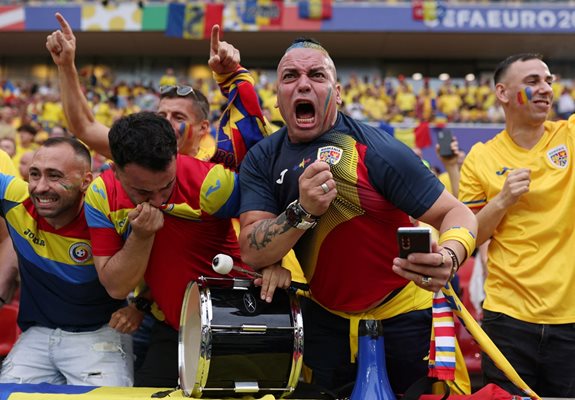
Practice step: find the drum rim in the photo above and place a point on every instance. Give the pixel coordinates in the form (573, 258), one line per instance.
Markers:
(194, 377)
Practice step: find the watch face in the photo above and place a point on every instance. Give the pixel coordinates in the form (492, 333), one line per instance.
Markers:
(292, 214)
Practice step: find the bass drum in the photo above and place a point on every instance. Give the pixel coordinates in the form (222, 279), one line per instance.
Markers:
(231, 342)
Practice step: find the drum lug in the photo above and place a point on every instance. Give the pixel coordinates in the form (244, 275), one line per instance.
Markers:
(246, 387)
(254, 328)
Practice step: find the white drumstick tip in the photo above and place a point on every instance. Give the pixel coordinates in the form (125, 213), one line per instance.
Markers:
(222, 264)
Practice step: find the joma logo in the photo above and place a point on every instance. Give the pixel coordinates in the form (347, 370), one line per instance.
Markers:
(32, 236)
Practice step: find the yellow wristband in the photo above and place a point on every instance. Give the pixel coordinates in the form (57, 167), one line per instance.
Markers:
(461, 235)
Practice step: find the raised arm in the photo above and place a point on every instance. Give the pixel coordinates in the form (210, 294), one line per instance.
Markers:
(237, 84)
(81, 122)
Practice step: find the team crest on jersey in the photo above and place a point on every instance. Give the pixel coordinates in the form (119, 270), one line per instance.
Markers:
(559, 156)
(329, 154)
(80, 252)
(167, 207)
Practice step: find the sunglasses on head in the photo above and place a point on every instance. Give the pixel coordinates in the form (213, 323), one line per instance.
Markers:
(181, 90)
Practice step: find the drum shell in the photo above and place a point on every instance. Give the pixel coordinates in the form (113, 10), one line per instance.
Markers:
(242, 344)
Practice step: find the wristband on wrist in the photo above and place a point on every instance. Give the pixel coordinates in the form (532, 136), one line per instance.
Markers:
(454, 262)
(461, 235)
(142, 304)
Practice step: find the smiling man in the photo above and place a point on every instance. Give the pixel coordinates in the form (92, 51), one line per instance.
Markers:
(62, 301)
(336, 190)
(521, 185)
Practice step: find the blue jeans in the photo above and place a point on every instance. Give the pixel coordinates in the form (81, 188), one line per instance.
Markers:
(543, 355)
(97, 358)
(327, 353)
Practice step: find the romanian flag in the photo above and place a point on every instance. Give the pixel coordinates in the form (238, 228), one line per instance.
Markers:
(194, 20)
(427, 10)
(417, 10)
(315, 9)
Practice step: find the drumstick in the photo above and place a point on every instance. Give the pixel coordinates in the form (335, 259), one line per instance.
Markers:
(224, 264)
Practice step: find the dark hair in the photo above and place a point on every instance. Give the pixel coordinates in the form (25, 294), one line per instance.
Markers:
(143, 138)
(79, 148)
(504, 65)
(28, 128)
(199, 101)
(302, 39)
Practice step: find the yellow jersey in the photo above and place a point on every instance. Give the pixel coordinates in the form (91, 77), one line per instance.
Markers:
(6, 165)
(531, 268)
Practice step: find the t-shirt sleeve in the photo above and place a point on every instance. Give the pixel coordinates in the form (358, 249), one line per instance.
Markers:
(105, 239)
(403, 178)
(220, 192)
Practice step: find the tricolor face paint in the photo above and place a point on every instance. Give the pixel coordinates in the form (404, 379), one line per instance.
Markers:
(524, 96)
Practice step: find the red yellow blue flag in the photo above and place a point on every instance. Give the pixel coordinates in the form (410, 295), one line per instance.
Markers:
(315, 9)
(193, 20)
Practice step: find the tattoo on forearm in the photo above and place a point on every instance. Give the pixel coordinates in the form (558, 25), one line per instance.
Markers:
(266, 230)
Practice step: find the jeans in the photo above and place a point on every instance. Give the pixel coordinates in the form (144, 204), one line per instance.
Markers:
(543, 355)
(327, 353)
(97, 358)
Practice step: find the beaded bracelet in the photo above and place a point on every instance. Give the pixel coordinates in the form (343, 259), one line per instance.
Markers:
(454, 262)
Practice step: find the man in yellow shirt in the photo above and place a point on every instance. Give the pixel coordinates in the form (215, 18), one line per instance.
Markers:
(521, 185)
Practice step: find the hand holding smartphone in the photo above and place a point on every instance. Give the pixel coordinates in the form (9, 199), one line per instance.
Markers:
(413, 240)
(444, 138)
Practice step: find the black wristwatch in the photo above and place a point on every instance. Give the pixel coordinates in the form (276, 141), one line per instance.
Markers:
(142, 304)
(298, 217)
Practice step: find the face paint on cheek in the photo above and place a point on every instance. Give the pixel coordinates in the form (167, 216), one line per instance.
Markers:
(67, 187)
(326, 105)
(524, 96)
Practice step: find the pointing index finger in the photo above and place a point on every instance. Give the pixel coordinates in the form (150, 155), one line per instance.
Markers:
(66, 30)
(215, 40)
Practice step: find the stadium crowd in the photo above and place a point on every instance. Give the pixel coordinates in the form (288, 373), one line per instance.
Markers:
(31, 111)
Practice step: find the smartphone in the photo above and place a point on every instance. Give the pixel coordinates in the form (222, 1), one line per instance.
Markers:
(413, 240)
(444, 138)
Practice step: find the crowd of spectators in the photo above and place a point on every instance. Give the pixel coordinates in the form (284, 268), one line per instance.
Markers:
(36, 106)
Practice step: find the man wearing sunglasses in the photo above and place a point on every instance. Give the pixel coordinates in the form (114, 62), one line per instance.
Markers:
(185, 108)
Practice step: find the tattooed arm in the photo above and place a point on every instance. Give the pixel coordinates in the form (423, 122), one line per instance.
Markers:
(265, 238)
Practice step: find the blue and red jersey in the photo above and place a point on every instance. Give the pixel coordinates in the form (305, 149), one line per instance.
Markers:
(59, 282)
(347, 257)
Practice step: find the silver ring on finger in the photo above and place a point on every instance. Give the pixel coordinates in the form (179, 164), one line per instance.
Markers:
(426, 280)
(324, 187)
